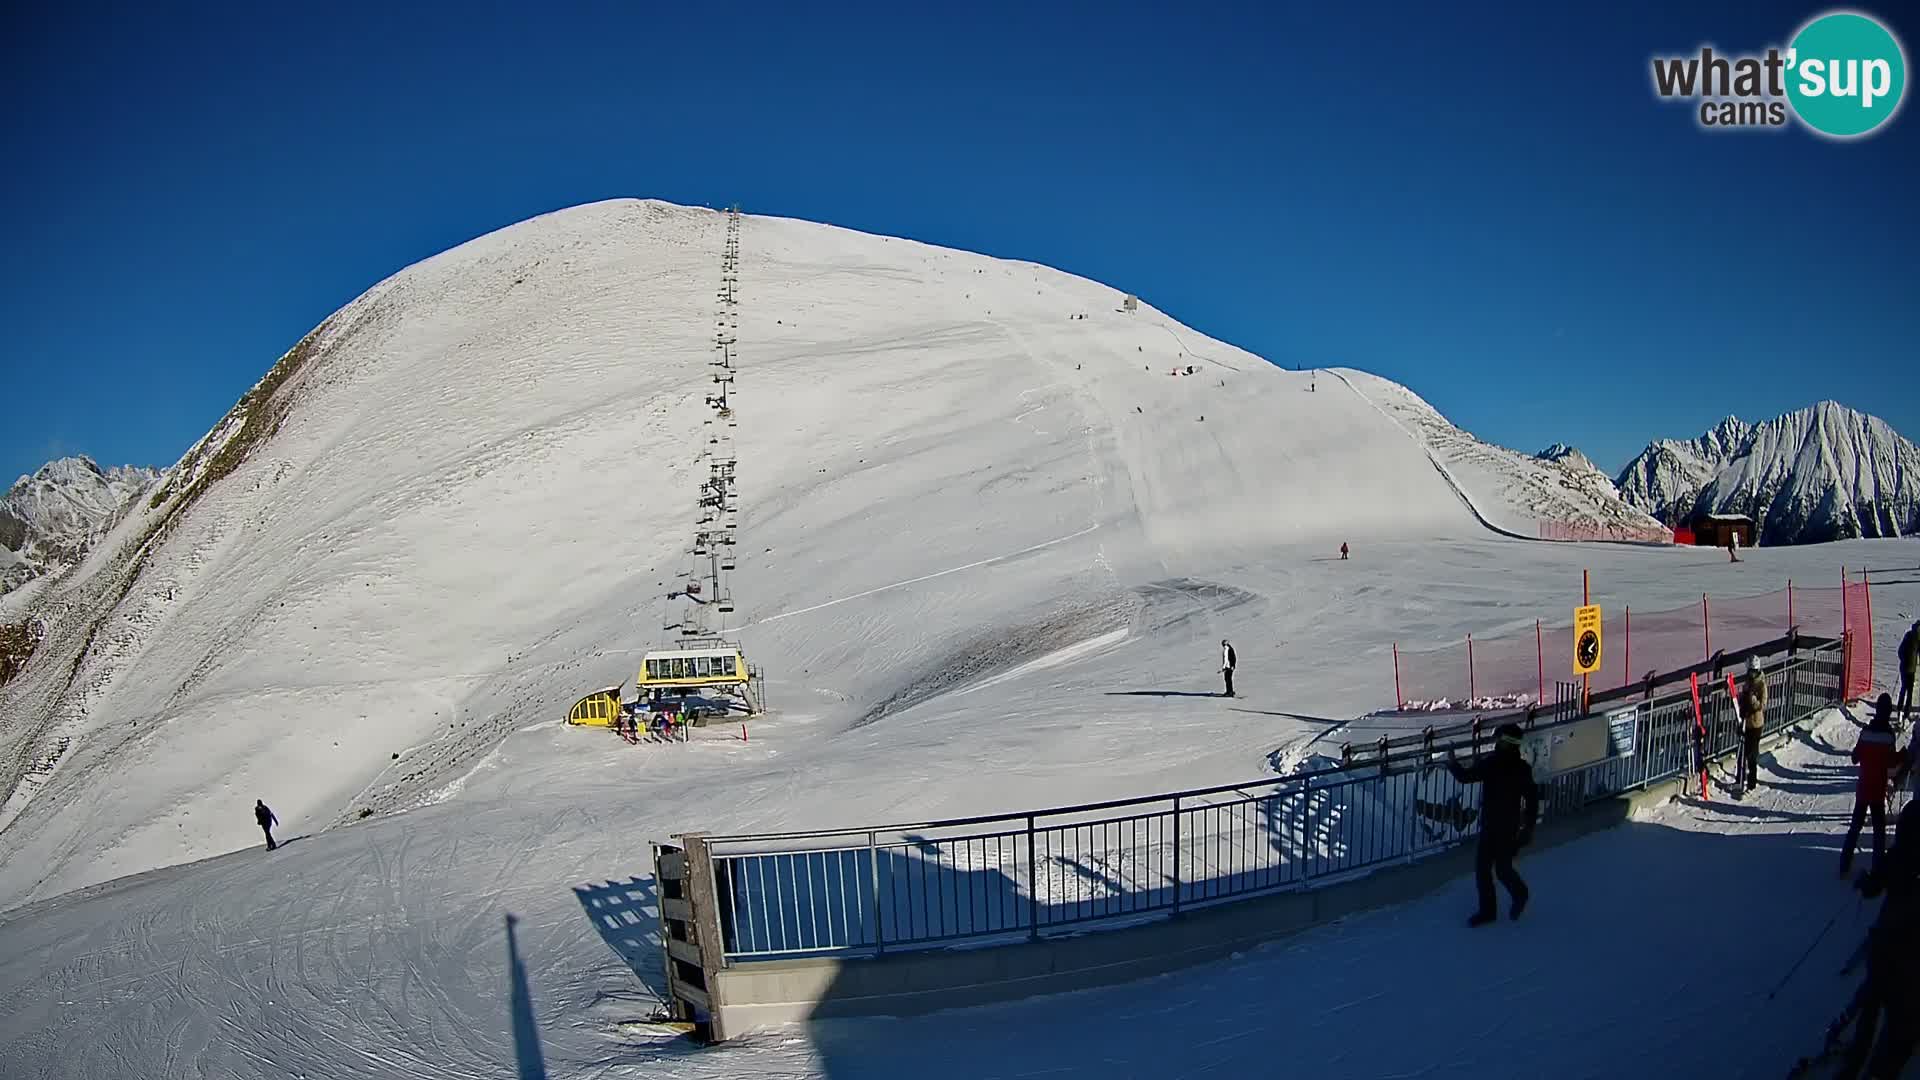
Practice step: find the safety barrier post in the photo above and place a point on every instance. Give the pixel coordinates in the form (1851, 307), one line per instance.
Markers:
(1399, 698)
(1866, 591)
(1626, 663)
(1033, 877)
(1176, 854)
(1789, 605)
(873, 868)
(1706, 624)
(1540, 663)
(1472, 689)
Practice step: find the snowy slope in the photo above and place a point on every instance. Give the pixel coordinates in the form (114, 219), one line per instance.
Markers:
(1818, 474)
(1508, 490)
(50, 519)
(381, 952)
(457, 504)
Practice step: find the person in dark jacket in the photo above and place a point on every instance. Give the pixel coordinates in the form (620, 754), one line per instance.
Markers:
(267, 821)
(1226, 664)
(1874, 753)
(1509, 806)
(1909, 662)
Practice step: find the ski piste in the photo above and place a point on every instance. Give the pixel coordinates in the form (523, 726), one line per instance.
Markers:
(1699, 736)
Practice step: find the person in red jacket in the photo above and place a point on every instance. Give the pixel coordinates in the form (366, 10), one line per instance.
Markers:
(1874, 753)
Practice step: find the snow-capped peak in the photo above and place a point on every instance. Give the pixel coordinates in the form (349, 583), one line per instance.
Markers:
(1825, 472)
(1562, 454)
(49, 519)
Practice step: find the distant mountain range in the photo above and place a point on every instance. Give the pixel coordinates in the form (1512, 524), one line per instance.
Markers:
(1817, 474)
(49, 520)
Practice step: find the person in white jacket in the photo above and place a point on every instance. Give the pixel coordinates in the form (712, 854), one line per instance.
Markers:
(1226, 664)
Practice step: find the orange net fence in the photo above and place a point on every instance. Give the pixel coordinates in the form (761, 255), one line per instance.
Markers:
(1513, 670)
(1604, 531)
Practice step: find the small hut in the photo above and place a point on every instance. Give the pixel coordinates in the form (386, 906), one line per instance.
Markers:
(1716, 530)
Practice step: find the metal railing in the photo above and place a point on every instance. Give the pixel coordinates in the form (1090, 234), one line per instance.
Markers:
(1013, 877)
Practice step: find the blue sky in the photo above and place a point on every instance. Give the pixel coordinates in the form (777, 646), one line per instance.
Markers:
(1488, 205)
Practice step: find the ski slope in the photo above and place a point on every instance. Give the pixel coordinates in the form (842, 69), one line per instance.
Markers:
(988, 552)
(381, 951)
(476, 485)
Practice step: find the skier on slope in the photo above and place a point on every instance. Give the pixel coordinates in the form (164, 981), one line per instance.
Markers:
(267, 821)
(1343, 549)
(1226, 664)
(1509, 806)
(1909, 661)
(1753, 716)
(1874, 753)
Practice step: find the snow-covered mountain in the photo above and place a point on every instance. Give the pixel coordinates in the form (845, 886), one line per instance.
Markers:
(1664, 478)
(460, 501)
(1818, 474)
(980, 500)
(1511, 492)
(50, 519)
(1567, 456)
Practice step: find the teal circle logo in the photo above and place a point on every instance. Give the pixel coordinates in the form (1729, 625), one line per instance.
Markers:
(1846, 74)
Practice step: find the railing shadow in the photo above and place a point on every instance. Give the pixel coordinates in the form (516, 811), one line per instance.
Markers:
(627, 916)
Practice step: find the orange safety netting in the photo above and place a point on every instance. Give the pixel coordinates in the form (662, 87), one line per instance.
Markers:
(1517, 669)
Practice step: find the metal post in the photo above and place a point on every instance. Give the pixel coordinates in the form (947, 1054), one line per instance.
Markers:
(1706, 624)
(1866, 591)
(1626, 663)
(873, 872)
(1472, 689)
(1033, 887)
(1789, 605)
(1399, 698)
(1540, 663)
(1176, 854)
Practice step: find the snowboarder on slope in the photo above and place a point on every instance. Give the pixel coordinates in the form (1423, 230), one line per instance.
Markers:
(1509, 806)
(1874, 753)
(1343, 549)
(1226, 664)
(1733, 541)
(1753, 714)
(1909, 661)
(267, 821)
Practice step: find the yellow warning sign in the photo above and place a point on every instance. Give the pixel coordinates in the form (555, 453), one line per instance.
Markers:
(1586, 639)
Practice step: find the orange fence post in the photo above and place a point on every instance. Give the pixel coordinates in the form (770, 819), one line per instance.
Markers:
(1866, 591)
